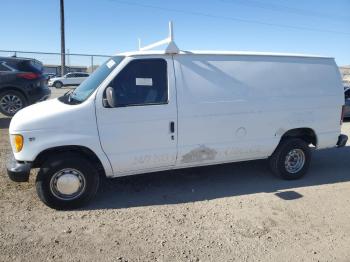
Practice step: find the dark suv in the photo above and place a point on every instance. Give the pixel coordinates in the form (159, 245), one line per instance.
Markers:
(22, 83)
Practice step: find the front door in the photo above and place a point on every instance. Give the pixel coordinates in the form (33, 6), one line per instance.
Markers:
(69, 79)
(75, 80)
(139, 133)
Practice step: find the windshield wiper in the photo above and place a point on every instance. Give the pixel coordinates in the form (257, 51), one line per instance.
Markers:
(67, 97)
(71, 99)
(69, 92)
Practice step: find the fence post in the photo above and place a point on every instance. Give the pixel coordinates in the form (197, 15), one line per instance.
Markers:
(63, 48)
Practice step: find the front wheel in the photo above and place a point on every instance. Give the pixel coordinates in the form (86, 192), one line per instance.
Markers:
(58, 84)
(11, 102)
(67, 181)
(291, 159)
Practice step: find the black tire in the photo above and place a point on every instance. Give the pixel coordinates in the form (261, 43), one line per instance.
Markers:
(279, 158)
(58, 84)
(55, 165)
(10, 111)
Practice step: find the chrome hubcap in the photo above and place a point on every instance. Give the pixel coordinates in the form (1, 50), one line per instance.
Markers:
(67, 184)
(295, 161)
(11, 103)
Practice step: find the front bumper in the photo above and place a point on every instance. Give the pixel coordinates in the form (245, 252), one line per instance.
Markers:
(342, 139)
(18, 171)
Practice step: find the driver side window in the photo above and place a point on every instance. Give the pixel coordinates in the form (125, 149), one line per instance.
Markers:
(141, 82)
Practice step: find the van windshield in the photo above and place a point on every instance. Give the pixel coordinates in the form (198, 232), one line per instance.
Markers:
(89, 85)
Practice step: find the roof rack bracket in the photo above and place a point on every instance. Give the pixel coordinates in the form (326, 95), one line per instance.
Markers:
(171, 47)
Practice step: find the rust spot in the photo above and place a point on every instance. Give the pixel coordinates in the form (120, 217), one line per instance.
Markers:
(202, 153)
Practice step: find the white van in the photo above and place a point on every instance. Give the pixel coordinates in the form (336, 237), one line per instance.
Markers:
(148, 111)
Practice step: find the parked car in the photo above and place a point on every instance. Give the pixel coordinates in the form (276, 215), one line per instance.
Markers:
(347, 102)
(49, 75)
(21, 84)
(70, 79)
(148, 111)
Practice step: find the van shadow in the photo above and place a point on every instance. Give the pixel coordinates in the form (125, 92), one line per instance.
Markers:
(206, 183)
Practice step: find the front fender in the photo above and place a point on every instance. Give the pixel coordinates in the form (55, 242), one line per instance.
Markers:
(38, 141)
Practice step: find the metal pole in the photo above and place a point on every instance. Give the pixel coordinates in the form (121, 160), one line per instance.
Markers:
(92, 64)
(63, 48)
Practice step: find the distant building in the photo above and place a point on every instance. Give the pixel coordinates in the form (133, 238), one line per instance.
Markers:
(345, 70)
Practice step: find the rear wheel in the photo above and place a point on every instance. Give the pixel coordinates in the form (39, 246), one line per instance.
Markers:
(58, 84)
(291, 159)
(67, 181)
(11, 102)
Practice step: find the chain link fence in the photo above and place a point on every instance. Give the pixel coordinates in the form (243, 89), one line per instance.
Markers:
(52, 61)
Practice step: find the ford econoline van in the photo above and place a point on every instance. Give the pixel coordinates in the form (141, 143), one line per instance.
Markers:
(148, 111)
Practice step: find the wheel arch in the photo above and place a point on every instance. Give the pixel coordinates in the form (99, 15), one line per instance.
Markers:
(84, 151)
(14, 88)
(57, 81)
(305, 133)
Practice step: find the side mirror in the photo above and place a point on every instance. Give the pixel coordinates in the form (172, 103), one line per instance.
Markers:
(110, 97)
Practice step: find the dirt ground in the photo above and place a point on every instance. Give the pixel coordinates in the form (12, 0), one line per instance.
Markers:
(233, 212)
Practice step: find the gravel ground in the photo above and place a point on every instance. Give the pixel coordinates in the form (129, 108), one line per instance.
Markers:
(233, 212)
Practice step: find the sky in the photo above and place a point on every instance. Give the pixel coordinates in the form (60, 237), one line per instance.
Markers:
(320, 27)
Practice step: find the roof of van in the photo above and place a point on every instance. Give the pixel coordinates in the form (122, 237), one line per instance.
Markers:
(245, 53)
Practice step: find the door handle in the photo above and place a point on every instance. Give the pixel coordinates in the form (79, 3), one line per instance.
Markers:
(172, 127)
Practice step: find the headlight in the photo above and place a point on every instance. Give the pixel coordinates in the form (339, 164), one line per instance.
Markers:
(17, 142)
